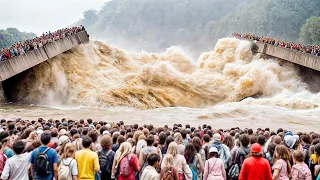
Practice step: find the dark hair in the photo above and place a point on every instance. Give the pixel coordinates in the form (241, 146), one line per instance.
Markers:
(120, 139)
(54, 133)
(11, 126)
(153, 158)
(261, 140)
(45, 137)
(86, 141)
(183, 133)
(85, 131)
(244, 139)
(89, 121)
(93, 134)
(253, 139)
(206, 138)
(271, 148)
(210, 133)
(73, 132)
(189, 153)
(18, 146)
(250, 131)
(150, 140)
(162, 138)
(214, 154)
(305, 138)
(169, 139)
(197, 144)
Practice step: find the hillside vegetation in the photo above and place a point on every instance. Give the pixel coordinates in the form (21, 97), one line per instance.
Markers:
(11, 36)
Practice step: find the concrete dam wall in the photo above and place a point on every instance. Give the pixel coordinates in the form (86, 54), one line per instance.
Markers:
(23, 62)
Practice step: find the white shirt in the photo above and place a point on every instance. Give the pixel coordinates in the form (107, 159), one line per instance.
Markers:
(17, 167)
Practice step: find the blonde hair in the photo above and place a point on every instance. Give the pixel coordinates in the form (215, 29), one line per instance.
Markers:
(69, 150)
(124, 149)
(168, 161)
(136, 135)
(178, 138)
(173, 149)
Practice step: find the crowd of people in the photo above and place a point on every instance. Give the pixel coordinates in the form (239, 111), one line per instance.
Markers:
(310, 49)
(23, 47)
(87, 150)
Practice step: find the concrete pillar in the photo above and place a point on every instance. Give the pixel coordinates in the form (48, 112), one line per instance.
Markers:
(2, 98)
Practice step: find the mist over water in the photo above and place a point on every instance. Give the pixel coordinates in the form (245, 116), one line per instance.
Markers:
(99, 75)
(228, 83)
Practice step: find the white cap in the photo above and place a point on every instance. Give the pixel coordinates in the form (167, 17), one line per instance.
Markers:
(39, 131)
(105, 132)
(213, 149)
(63, 139)
(108, 126)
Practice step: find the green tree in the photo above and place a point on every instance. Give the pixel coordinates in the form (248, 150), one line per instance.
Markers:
(310, 31)
(11, 36)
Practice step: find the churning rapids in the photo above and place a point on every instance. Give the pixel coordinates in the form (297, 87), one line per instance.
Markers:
(226, 87)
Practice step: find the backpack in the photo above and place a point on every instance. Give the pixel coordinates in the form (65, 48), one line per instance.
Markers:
(64, 171)
(193, 168)
(42, 165)
(169, 175)
(104, 161)
(124, 166)
(3, 159)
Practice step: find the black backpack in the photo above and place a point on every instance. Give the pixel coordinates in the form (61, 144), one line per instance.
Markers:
(105, 160)
(42, 166)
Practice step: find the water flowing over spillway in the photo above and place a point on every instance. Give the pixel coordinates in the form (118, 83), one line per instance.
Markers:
(229, 77)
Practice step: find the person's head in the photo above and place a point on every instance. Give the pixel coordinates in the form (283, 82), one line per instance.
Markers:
(121, 139)
(256, 150)
(124, 149)
(168, 161)
(216, 137)
(261, 140)
(281, 152)
(153, 159)
(150, 140)
(106, 142)
(213, 151)
(94, 135)
(178, 138)
(18, 146)
(298, 156)
(189, 153)
(228, 141)
(162, 138)
(317, 149)
(45, 137)
(89, 121)
(271, 148)
(197, 143)
(244, 140)
(305, 139)
(173, 149)
(277, 140)
(86, 141)
(69, 150)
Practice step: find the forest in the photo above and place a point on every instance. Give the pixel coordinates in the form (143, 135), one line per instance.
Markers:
(11, 36)
(155, 25)
(197, 25)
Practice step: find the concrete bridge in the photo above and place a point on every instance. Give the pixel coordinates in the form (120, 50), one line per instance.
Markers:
(294, 56)
(16, 65)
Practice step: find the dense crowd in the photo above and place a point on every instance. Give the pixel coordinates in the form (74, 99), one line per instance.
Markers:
(310, 49)
(23, 47)
(88, 150)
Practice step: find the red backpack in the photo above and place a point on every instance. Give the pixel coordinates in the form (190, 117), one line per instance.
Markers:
(125, 169)
(3, 159)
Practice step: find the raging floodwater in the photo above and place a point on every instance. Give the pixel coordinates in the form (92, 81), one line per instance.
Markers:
(226, 87)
